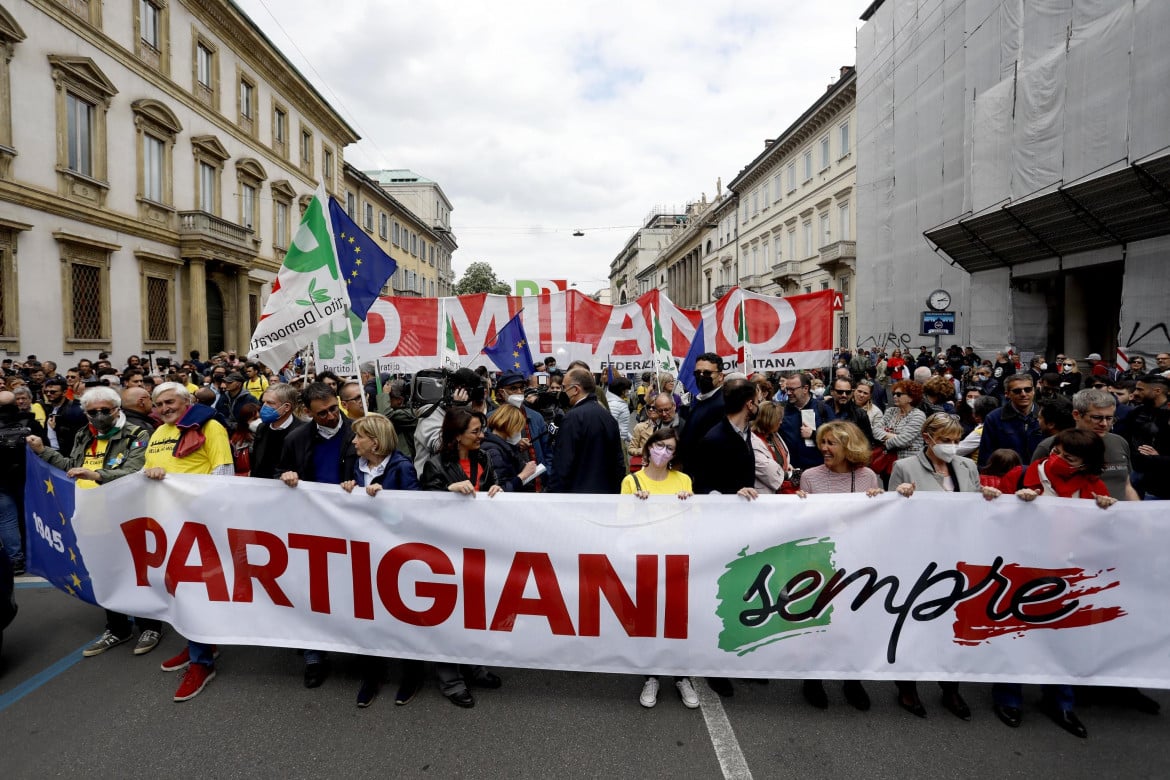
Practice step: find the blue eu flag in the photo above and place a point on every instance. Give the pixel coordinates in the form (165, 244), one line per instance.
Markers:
(364, 266)
(510, 351)
(48, 519)
(686, 372)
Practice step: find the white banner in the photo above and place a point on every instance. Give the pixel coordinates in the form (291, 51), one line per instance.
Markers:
(933, 587)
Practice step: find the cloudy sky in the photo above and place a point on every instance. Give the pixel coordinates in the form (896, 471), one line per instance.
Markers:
(538, 119)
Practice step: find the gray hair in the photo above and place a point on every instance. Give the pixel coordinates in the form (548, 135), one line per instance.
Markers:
(1092, 398)
(179, 390)
(101, 393)
(20, 390)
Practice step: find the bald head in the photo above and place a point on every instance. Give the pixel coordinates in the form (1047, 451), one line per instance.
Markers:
(7, 398)
(138, 399)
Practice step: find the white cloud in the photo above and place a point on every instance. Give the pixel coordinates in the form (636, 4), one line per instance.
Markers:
(541, 118)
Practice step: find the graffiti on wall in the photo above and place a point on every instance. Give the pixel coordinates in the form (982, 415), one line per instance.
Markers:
(885, 342)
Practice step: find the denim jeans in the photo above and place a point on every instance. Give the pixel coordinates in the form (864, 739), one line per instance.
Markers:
(1012, 695)
(201, 653)
(10, 529)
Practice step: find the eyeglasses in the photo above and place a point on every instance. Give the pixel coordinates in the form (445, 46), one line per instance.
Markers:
(705, 373)
(897, 393)
(1021, 390)
(327, 412)
(98, 412)
(842, 392)
(1067, 363)
(355, 399)
(1101, 418)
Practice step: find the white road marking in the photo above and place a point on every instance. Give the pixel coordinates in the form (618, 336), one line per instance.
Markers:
(731, 759)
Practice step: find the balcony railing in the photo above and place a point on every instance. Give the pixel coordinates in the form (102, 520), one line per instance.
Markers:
(201, 223)
(837, 253)
(785, 270)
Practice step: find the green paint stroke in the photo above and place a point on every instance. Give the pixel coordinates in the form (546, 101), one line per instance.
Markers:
(786, 560)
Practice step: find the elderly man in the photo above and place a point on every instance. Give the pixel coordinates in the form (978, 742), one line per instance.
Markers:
(1013, 426)
(110, 447)
(137, 406)
(189, 441)
(588, 455)
(277, 421)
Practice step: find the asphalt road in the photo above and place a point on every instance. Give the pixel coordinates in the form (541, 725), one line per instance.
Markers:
(112, 716)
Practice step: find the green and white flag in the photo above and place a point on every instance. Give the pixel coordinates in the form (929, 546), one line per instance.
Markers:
(663, 360)
(308, 297)
(450, 349)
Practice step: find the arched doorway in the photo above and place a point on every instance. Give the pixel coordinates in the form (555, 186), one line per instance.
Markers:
(215, 342)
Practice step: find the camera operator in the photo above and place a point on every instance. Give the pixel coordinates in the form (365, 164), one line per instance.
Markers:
(15, 427)
(463, 388)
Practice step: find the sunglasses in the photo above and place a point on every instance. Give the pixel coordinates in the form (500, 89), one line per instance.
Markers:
(1021, 390)
(97, 412)
(705, 373)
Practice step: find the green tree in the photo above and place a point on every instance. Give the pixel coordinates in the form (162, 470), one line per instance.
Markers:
(480, 278)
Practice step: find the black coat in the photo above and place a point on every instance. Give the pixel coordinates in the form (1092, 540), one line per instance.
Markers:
(507, 461)
(704, 416)
(442, 470)
(267, 448)
(723, 461)
(588, 457)
(297, 452)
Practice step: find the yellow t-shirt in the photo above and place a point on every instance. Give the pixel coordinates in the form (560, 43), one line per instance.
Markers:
(93, 462)
(215, 452)
(674, 483)
(256, 386)
(192, 388)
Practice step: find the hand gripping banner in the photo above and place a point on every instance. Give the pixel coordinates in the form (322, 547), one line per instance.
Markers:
(933, 587)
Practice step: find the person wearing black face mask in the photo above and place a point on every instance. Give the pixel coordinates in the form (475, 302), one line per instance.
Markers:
(108, 448)
(707, 408)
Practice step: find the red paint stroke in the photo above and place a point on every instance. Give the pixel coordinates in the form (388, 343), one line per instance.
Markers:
(973, 626)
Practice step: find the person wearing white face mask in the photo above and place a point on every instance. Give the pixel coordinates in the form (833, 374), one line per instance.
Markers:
(937, 468)
(534, 438)
(501, 444)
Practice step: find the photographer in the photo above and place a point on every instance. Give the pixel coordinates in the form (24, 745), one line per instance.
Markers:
(15, 427)
(464, 388)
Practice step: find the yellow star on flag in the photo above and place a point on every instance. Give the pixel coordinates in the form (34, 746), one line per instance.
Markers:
(343, 234)
(49, 486)
(520, 343)
(357, 251)
(354, 274)
(72, 556)
(69, 590)
(515, 354)
(352, 239)
(358, 261)
(76, 580)
(516, 364)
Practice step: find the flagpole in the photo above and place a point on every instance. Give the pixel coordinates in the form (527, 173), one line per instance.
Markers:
(357, 366)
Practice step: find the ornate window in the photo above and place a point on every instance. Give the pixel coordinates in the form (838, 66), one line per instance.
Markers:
(306, 150)
(9, 320)
(205, 71)
(250, 175)
(280, 130)
(282, 197)
(157, 299)
(246, 105)
(156, 128)
(85, 291)
(210, 156)
(83, 98)
(10, 35)
(153, 44)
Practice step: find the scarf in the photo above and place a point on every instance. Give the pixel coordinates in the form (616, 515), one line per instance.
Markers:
(190, 427)
(114, 430)
(1066, 482)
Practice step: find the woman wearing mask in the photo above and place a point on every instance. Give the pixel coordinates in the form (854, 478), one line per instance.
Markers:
(1070, 377)
(846, 452)
(936, 467)
(1072, 470)
(657, 478)
(460, 466)
(380, 466)
(502, 446)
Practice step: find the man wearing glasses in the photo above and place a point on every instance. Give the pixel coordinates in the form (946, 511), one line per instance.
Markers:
(1013, 426)
(277, 421)
(323, 452)
(62, 417)
(707, 408)
(350, 399)
(110, 447)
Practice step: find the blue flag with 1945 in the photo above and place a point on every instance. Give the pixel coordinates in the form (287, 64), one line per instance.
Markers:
(51, 541)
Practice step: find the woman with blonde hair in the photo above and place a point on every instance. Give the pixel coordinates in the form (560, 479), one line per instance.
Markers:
(501, 444)
(846, 452)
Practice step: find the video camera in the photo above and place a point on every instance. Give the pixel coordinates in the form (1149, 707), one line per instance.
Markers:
(433, 387)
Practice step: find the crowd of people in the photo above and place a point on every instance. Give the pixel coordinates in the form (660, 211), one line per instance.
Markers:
(950, 422)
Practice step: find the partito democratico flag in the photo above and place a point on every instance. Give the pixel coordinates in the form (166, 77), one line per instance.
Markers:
(308, 294)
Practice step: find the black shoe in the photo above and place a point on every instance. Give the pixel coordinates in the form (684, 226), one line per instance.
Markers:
(954, 704)
(407, 690)
(1135, 699)
(721, 686)
(315, 674)
(855, 694)
(486, 680)
(912, 704)
(462, 699)
(18, 569)
(1067, 720)
(367, 692)
(814, 694)
(1009, 716)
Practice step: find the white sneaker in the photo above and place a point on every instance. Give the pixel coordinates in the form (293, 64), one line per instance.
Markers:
(686, 690)
(649, 695)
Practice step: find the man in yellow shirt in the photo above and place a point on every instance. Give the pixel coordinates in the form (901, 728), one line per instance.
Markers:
(256, 382)
(108, 448)
(189, 441)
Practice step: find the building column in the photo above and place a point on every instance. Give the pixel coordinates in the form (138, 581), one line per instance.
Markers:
(243, 314)
(197, 307)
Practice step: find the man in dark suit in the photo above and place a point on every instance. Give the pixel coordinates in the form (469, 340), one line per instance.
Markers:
(722, 462)
(277, 421)
(707, 408)
(588, 454)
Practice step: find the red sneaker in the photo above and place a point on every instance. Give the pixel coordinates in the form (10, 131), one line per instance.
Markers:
(194, 681)
(180, 661)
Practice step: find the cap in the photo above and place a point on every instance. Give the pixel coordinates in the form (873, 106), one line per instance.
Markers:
(1093, 356)
(511, 378)
(234, 376)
